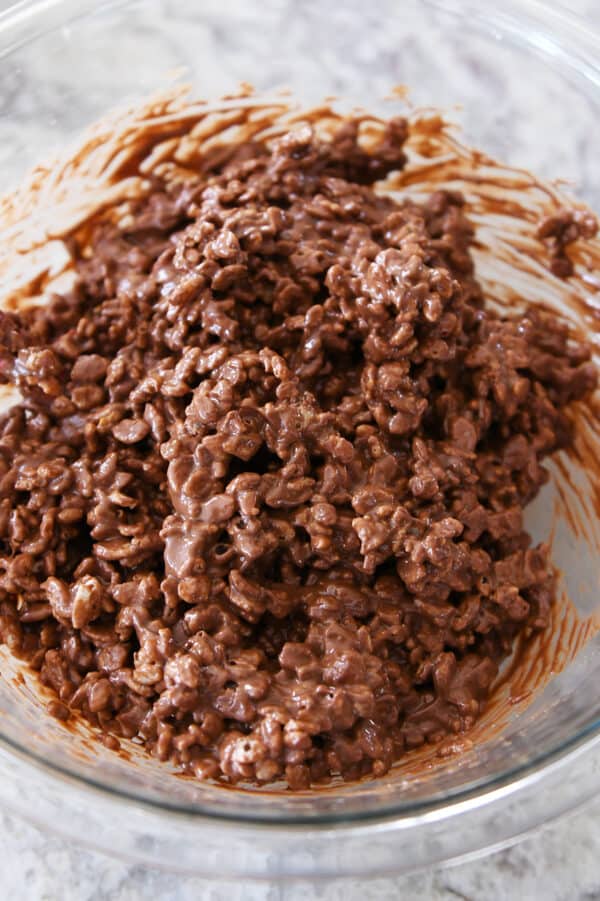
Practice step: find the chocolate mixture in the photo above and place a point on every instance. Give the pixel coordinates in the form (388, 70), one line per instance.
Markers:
(261, 505)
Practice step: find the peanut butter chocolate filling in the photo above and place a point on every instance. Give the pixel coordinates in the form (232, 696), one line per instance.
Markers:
(261, 503)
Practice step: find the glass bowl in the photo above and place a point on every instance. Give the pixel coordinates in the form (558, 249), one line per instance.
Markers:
(527, 80)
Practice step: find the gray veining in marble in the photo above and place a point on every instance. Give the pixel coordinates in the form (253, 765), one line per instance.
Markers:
(559, 863)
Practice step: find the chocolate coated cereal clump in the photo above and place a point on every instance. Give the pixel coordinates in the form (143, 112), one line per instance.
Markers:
(261, 503)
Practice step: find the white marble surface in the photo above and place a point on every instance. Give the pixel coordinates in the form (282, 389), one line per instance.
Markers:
(559, 863)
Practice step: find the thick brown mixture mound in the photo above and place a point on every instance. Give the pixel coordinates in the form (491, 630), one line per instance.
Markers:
(261, 504)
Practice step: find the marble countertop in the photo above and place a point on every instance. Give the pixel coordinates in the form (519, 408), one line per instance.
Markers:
(561, 862)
